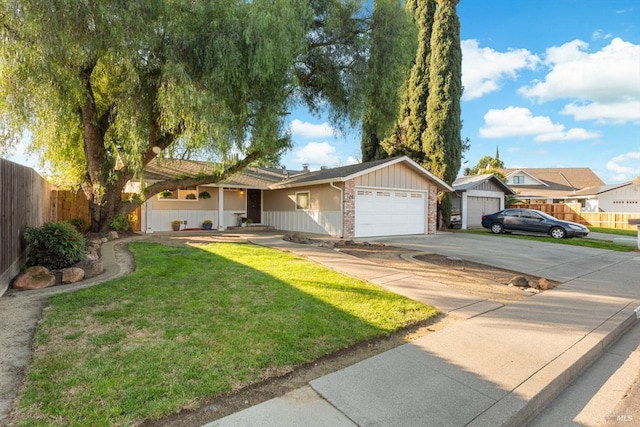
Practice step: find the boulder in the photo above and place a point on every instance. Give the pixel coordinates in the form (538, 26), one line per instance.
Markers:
(113, 235)
(299, 238)
(72, 275)
(519, 281)
(37, 277)
(545, 284)
(91, 267)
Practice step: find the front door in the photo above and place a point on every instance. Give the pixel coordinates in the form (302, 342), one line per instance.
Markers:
(254, 205)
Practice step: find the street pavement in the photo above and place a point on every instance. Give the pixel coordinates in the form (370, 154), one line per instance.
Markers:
(501, 366)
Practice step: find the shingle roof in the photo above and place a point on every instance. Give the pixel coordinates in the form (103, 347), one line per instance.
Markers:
(561, 182)
(251, 177)
(264, 178)
(465, 183)
(592, 191)
(334, 173)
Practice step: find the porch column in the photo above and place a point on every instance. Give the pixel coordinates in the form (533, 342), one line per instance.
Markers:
(221, 226)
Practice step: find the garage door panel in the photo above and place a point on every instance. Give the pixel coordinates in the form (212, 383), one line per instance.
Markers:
(386, 213)
(478, 206)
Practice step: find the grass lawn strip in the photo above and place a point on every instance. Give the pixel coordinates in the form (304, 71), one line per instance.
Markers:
(577, 241)
(191, 323)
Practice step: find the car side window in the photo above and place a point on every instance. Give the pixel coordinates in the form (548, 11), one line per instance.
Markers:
(512, 212)
(530, 215)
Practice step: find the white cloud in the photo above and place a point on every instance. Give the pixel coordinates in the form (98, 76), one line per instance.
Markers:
(351, 160)
(625, 166)
(599, 34)
(483, 69)
(604, 85)
(316, 154)
(614, 112)
(310, 130)
(519, 121)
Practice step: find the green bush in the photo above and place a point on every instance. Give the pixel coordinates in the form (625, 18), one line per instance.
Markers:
(78, 223)
(120, 223)
(55, 245)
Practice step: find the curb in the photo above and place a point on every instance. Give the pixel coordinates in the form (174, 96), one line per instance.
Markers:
(527, 400)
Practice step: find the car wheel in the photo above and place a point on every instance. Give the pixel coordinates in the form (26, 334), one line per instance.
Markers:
(497, 228)
(558, 233)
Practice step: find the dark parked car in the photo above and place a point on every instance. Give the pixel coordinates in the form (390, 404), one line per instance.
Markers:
(532, 221)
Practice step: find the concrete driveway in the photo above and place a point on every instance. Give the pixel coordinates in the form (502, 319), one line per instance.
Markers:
(563, 263)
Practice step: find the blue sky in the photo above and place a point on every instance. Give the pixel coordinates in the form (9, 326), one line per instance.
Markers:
(551, 83)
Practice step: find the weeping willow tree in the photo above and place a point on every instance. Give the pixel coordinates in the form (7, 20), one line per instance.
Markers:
(105, 87)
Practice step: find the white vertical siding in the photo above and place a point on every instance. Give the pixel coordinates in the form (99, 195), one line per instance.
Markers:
(161, 220)
(315, 222)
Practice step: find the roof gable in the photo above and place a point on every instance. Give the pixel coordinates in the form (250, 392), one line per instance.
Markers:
(569, 178)
(345, 173)
(465, 183)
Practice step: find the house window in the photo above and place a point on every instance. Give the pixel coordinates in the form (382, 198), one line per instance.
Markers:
(181, 194)
(518, 179)
(302, 200)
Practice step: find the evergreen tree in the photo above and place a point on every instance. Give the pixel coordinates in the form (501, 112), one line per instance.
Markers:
(392, 46)
(441, 142)
(412, 122)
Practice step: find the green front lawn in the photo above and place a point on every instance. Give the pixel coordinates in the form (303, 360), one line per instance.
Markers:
(191, 323)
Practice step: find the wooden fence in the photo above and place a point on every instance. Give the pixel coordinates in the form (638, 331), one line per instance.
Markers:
(571, 212)
(25, 201)
(72, 205)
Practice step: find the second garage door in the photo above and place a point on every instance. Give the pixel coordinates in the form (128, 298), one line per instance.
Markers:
(389, 212)
(478, 206)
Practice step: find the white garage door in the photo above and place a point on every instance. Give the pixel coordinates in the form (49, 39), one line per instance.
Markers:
(389, 213)
(478, 206)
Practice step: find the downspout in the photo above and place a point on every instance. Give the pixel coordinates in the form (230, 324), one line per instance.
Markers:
(341, 209)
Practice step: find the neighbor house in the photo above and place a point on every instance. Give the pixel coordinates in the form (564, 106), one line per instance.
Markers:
(393, 196)
(623, 197)
(550, 185)
(477, 195)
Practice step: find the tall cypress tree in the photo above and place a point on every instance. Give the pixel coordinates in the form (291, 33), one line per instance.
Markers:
(441, 142)
(392, 47)
(412, 123)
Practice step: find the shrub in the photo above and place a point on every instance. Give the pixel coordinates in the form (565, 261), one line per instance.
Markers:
(120, 223)
(204, 195)
(78, 223)
(55, 245)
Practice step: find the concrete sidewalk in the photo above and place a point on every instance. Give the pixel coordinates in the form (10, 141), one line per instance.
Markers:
(502, 366)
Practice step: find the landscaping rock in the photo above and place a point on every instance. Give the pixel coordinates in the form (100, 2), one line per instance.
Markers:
(91, 267)
(328, 244)
(545, 284)
(113, 235)
(519, 281)
(72, 275)
(299, 238)
(37, 277)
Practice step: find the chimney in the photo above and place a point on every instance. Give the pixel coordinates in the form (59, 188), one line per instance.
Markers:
(305, 167)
